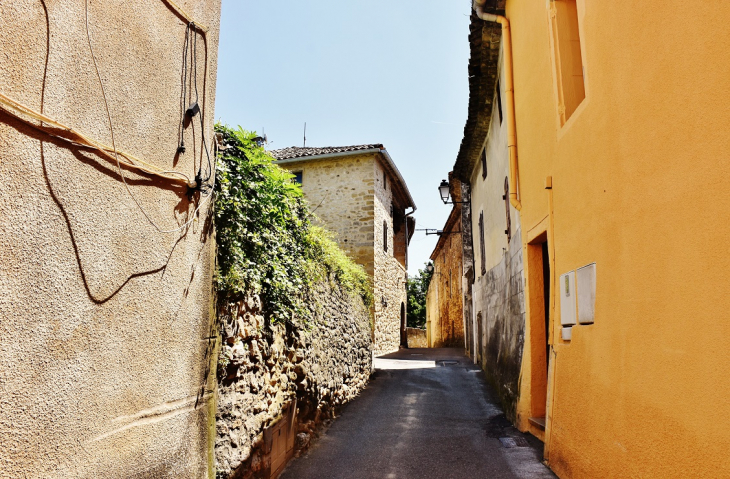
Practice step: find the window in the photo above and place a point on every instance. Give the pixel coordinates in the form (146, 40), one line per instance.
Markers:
(499, 102)
(567, 59)
(482, 248)
(484, 162)
(507, 231)
(297, 177)
(385, 236)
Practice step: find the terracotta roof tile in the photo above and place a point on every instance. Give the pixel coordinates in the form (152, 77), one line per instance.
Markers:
(297, 152)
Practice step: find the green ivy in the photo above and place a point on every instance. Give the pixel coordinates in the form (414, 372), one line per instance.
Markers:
(267, 243)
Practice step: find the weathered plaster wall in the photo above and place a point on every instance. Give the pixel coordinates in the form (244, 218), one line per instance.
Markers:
(390, 275)
(264, 368)
(498, 290)
(340, 192)
(103, 357)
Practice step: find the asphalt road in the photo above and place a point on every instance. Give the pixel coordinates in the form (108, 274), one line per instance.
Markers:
(422, 418)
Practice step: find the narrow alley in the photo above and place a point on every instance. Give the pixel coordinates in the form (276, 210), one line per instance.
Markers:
(426, 413)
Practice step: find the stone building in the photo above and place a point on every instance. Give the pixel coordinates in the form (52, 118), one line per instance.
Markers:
(444, 300)
(358, 192)
(108, 349)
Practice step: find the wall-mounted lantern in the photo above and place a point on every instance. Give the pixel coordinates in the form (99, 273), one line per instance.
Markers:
(444, 191)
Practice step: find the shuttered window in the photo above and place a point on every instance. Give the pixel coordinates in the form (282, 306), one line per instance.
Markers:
(482, 248)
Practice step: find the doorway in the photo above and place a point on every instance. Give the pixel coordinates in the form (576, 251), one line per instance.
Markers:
(539, 280)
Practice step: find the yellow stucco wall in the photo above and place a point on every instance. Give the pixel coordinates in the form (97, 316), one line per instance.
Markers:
(104, 357)
(640, 187)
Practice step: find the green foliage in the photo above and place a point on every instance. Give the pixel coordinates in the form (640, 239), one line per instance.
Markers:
(417, 289)
(266, 241)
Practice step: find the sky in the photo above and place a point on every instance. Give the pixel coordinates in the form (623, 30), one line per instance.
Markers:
(357, 72)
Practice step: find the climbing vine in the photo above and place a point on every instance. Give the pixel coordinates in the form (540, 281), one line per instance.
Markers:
(267, 243)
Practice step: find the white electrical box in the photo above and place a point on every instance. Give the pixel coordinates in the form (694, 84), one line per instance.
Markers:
(567, 334)
(586, 279)
(567, 299)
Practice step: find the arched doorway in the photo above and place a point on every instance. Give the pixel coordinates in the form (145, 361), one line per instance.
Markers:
(403, 332)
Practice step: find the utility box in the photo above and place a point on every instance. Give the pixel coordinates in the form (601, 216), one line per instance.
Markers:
(586, 279)
(567, 299)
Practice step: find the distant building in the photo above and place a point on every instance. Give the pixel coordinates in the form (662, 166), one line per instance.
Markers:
(357, 192)
(444, 300)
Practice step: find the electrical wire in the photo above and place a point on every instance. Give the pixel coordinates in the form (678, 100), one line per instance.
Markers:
(20, 111)
(116, 155)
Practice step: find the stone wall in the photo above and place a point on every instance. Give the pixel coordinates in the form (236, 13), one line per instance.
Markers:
(448, 328)
(340, 192)
(352, 195)
(105, 348)
(417, 338)
(264, 368)
(499, 297)
(390, 275)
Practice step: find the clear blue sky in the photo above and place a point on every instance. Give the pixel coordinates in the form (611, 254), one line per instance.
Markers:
(365, 71)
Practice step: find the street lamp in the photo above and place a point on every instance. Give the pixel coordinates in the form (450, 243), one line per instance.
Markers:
(444, 192)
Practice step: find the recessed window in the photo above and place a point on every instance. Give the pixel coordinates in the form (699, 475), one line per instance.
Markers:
(567, 59)
(385, 236)
(508, 230)
(298, 175)
(484, 162)
(482, 248)
(499, 102)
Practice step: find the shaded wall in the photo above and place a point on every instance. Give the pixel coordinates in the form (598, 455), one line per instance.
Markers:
(498, 289)
(104, 353)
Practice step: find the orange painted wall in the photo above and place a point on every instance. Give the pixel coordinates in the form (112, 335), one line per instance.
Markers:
(641, 186)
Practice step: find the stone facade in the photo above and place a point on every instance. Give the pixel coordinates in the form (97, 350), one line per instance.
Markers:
(300, 374)
(446, 326)
(361, 196)
(106, 321)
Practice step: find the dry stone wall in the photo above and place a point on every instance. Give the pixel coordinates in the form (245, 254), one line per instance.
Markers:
(264, 368)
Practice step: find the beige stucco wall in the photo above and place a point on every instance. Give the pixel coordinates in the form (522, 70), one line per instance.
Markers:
(486, 193)
(104, 320)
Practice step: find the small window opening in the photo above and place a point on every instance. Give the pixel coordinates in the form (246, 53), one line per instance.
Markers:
(385, 236)
(508, 230)
(499, 102)
(482, 248)
(298, 176)
(484, 162)
(567, 58)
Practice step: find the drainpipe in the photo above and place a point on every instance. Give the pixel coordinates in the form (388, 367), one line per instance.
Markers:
(510, 97)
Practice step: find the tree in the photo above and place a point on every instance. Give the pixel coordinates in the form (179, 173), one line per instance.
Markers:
(417, 289)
